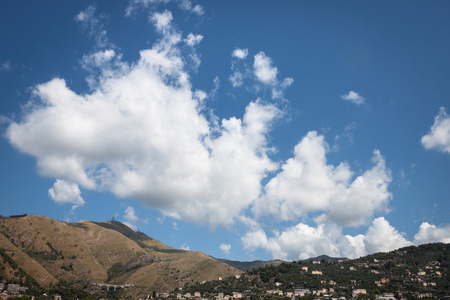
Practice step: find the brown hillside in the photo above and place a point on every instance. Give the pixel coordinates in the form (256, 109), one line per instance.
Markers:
(102, 252)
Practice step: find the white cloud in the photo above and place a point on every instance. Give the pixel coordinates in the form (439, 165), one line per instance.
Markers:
(64, 192)
(429, 233)
(294, 243)
(130, 215)
(131, 225)
(345, 138)
(353, 97)
(93, 26)
(367, 194)
(134, 5)
(175, 226)
(102, 65)
(382, 237)
(303, 241)
(198, 10)
(152, 5)
(5, 66)
(193, 39)
(213, 93)
(263, 73)
(439, 135)
(237, 79)
(307, 184)
(240, 53)
(162, 20)
(225, 248)
(141, 134)
(98, 59)
(185, 247)
(264, 69)
(188, 6)
(287, 82)
(352, 246)
(239, 68)
(131, 218)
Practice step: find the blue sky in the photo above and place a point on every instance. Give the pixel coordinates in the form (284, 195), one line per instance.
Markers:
(246, 130)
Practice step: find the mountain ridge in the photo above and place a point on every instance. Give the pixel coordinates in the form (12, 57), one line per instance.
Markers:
(255, 264)
(53, 251)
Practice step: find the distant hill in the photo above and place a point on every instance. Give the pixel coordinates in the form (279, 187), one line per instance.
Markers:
(326, 258)
(250, 265)
(49, 252)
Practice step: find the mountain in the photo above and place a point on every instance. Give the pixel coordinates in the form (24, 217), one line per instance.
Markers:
(250, 265)
(48, 252)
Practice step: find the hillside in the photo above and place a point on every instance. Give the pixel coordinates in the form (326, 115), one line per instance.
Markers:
(49, 252)
(414, 272)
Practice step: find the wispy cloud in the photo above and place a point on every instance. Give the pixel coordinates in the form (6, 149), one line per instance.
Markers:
(93, 26)
(5, 66)
(225, 248)
(185, 247)
(186, 5)
(354, 97)
(130, 215)
(131, 218)
(175, 226)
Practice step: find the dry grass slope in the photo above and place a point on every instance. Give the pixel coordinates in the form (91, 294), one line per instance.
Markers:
(51, 250)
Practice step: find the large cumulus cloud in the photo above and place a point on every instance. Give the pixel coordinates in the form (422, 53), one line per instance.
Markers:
(141, 134)
(307, 183)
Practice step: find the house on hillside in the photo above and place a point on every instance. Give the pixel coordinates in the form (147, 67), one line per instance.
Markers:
(301, 292)
(359, 292)
(163, 295)
(13, 288)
